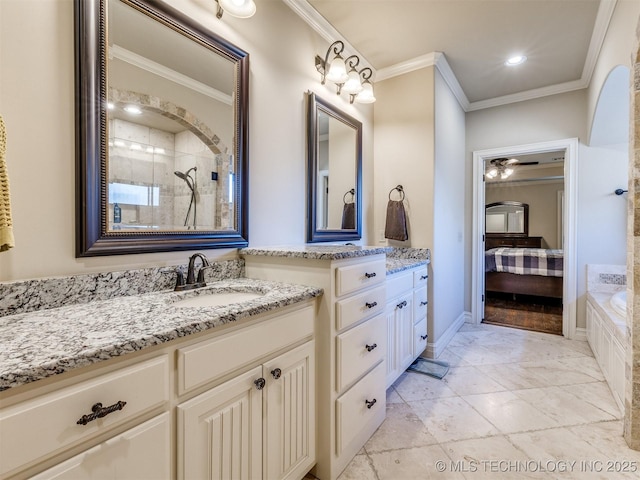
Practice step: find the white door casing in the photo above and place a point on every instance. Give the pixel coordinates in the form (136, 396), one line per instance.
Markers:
(569, 297)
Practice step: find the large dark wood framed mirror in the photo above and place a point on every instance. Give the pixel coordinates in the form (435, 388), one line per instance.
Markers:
(334, 171)
(161, 131)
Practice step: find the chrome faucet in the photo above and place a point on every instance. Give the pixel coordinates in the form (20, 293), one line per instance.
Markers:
(191, 281)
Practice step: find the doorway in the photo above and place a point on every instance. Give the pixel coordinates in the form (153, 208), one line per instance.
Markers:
(569, 279)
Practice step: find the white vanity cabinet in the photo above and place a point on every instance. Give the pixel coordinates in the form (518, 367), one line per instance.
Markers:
(406, 315)
(236, 401)
(260, 424)
(350, 346)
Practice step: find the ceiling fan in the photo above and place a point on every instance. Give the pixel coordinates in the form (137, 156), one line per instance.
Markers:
(504, 167)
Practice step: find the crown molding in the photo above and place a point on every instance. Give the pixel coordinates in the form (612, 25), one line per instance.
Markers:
(116, 51)
(605, 11)
(323, 28)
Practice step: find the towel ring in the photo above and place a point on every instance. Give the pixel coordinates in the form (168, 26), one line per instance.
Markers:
(353, 196)
(400, 189)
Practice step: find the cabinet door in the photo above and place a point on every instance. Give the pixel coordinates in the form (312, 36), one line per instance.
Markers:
(143, 452)
(220, 431)
(289, 436)
(399, 315)
(404, 331)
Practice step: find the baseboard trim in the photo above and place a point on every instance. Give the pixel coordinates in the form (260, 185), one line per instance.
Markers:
(581, 334)
(434, 350)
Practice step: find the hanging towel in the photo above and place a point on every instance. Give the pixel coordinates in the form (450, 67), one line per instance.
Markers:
(396, 225)
(349, 211)
(6, 225)
(349, 216)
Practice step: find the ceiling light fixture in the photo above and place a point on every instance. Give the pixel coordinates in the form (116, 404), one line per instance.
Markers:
(236, 8)
(132, 109)
(345, 75)
(502, 167)
(515, 60)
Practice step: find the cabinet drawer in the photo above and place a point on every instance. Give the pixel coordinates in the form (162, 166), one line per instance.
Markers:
(362, 275)
(205, 361)
(419, 337)
(141, 452)
(420, 277)
(355, 412)
(420, 304)
(359, 306)
(358, 349)
(36, 428)
(399, 284)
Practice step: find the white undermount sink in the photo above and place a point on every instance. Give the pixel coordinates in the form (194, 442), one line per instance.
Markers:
(217, 299)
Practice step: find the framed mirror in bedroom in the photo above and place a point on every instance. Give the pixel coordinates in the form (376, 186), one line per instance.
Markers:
(507, 218)
(334, 170)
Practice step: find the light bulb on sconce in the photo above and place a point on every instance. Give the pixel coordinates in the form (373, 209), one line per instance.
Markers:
(353, 82)
(236, 8)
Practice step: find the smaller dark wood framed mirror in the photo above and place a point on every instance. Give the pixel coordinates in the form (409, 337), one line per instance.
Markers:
(334, 173)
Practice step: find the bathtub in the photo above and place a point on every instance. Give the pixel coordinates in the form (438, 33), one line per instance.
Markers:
(607, 337)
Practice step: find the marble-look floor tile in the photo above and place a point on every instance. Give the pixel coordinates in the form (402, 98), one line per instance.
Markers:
(414, 463)
(528, 404)
(452, 418)
(509, 413)
(556, 372)
(470, 380)
(489, 458)
(563, 407)
(417, 386)
(359, 468)
(402, 428)
(452, 359)
(582, 458)
(597, 394)
(478, 355)
(513, 376)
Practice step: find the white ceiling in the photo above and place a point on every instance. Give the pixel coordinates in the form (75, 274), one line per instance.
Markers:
(469, 40)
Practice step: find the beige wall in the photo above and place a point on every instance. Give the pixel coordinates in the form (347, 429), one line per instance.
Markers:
(404, 152)
(542, 199)
(37, 104)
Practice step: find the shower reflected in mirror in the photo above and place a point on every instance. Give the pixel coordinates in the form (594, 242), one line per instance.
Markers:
(193, 186)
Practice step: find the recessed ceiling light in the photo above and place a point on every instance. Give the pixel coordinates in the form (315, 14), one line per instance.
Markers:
(515, 60)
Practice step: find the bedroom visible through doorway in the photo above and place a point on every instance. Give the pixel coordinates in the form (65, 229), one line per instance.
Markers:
(523, 241)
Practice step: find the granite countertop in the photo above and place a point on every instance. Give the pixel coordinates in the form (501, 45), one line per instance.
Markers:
(40, 344)
(395, 265)
(317, 252)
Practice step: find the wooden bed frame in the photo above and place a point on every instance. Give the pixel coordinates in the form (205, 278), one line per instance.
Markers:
(536, 285)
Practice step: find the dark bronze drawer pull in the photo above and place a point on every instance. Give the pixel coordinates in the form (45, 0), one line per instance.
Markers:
(371, 305)
(260, 383)
(424, 277)
(402, 304)
(422, 304)
(424, 337)
(370, 275)
(371, 347)
(99, 411)
(276, 372)
(370, 403)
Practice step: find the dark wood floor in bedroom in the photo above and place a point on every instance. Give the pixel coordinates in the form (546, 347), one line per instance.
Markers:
(539, 314)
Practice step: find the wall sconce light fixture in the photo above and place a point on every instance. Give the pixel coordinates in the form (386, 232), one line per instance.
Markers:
(236, 8)
(345, 75)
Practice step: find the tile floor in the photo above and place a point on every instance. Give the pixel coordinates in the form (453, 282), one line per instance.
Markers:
(515, 404)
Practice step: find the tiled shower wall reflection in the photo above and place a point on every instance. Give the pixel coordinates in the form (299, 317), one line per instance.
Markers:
(148, 157)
